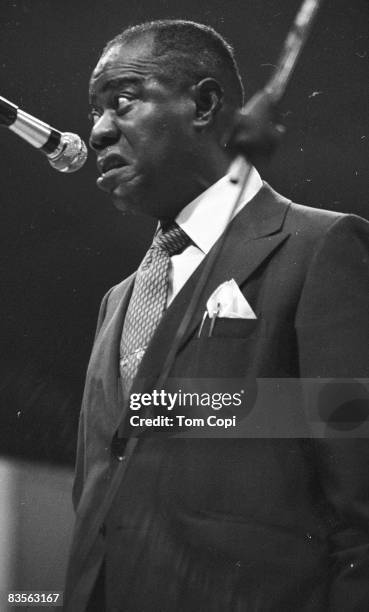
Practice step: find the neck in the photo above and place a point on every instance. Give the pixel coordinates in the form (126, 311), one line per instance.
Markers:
(202, 178)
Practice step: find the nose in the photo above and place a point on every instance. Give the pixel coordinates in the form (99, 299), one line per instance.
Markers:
(104, 132)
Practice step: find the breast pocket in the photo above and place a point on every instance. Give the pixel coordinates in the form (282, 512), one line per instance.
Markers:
(229, 350)
(233, 328)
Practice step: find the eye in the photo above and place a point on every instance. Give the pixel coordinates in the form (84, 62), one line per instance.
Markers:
(123, 100)
(94, 115)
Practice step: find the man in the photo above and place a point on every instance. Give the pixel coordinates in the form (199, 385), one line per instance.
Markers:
(253, 523)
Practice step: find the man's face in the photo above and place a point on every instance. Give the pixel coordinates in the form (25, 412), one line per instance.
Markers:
(143, 132)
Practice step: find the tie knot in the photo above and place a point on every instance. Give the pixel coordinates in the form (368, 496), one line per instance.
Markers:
(172, 240)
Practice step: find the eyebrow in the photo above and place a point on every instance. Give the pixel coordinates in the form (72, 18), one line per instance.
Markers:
(119, 81)
(115, 83)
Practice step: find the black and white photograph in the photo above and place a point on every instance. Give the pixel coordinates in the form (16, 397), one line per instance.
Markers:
(184, 331)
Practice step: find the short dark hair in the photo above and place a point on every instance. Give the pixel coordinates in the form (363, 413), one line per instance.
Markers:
(192, 50)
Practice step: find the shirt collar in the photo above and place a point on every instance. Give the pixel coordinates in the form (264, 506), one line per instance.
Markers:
(205, 218)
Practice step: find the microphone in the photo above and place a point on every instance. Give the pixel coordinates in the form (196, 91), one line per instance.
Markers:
(66, 152)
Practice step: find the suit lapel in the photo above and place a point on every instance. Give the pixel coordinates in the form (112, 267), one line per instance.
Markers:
(253, 235)
(105, 357)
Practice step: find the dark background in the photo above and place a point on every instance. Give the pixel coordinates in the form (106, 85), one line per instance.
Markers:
(62, 242)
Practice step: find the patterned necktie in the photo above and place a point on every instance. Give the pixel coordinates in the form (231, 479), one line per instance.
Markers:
(148, 300)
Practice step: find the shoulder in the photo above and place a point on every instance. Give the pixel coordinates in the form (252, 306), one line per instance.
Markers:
(316, 224)
(311, 219)
(115, 293)
(308, 226)
(111, 301)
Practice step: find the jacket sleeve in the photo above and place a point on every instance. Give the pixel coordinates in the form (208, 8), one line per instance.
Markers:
(333, 341)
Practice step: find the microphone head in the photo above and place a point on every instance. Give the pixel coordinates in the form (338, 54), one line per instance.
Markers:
(70, 155)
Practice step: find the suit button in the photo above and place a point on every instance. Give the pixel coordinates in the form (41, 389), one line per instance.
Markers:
(118, 446)
(102, 530)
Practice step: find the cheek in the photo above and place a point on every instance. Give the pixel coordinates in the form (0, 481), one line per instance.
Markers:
(160, 135)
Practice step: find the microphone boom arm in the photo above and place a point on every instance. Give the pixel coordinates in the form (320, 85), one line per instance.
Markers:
(256, 132)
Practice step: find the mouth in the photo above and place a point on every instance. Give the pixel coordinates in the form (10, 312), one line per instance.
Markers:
(110, 163)
(114, 171)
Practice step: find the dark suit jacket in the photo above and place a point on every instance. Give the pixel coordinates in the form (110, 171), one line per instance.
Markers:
(259, 523)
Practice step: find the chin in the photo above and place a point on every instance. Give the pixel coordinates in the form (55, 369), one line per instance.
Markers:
(130, 197)
(123, 205)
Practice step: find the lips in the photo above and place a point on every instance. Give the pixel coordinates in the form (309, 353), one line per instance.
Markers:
(114, 170)
(110, 162)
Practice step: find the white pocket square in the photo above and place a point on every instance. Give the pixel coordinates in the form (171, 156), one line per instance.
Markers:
(227, 301)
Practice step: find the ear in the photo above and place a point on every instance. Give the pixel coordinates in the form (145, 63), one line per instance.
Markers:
(208, 97)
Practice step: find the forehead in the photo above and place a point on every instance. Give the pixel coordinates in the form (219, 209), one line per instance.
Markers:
(134, 59)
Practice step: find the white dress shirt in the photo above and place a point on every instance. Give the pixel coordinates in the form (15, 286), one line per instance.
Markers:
(204, 220)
